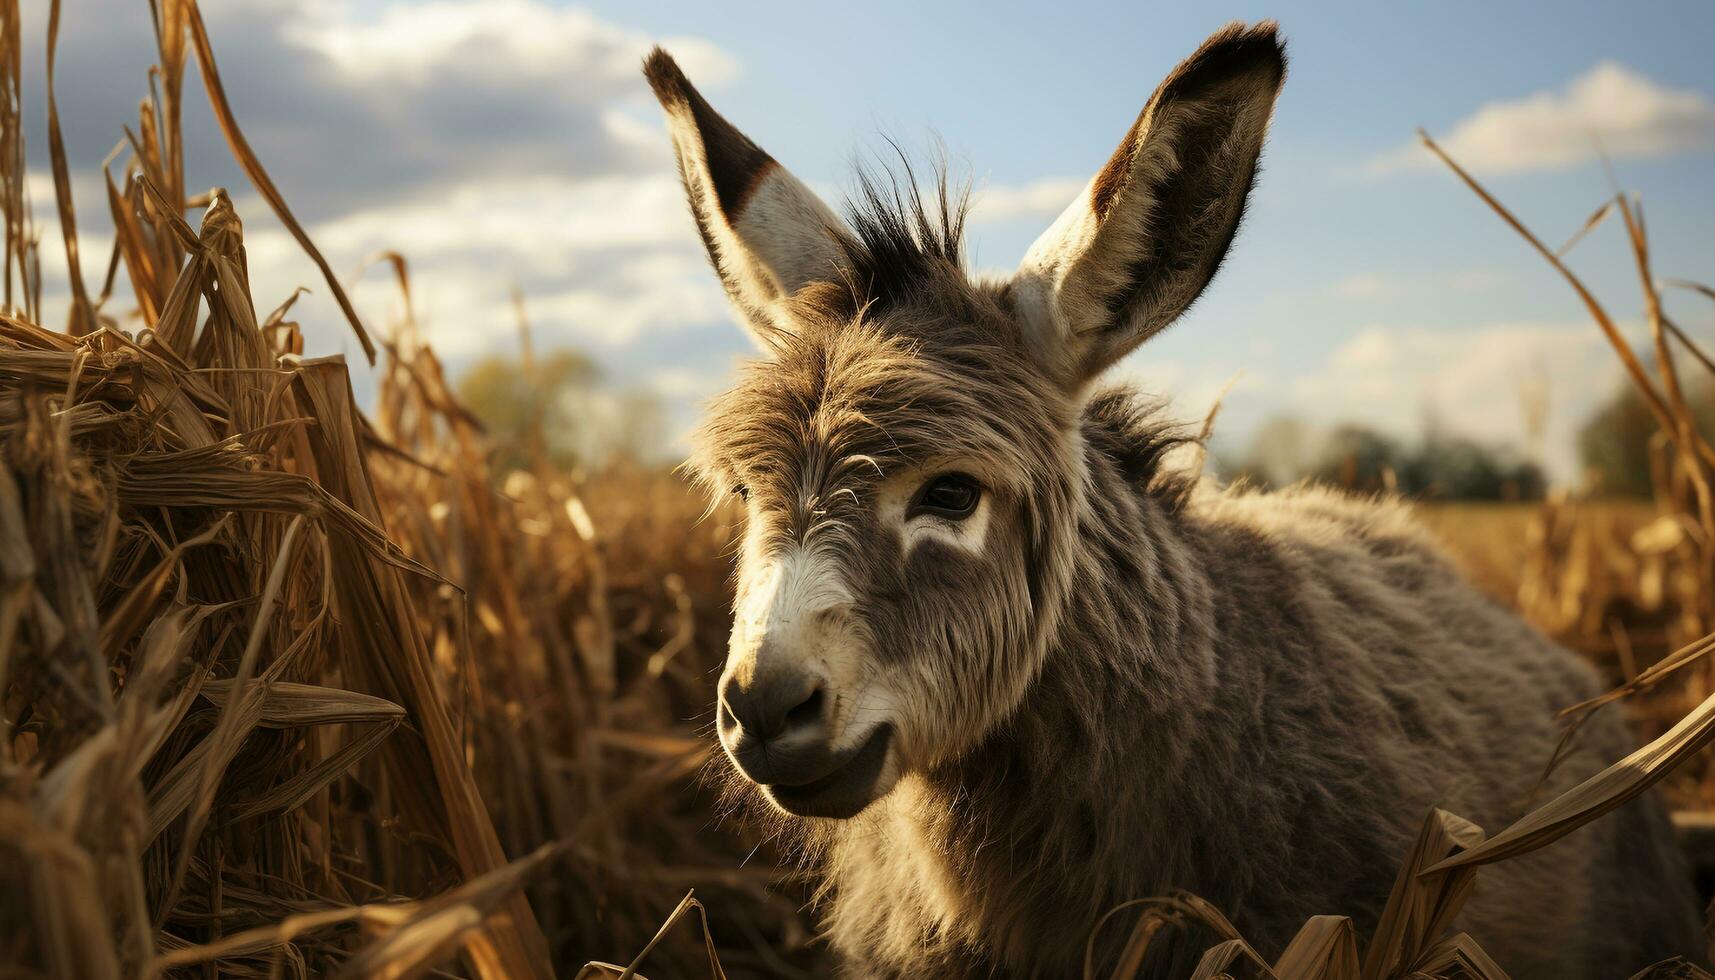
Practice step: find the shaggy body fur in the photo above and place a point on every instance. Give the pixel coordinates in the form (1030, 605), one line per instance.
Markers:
(1103, 683)
(1252, 697)
(1262, 718)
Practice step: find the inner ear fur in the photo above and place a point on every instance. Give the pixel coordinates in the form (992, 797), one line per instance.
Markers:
(767, 234)
(1150, 230)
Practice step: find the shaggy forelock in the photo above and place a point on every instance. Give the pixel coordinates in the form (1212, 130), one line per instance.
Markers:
(839, 405)
(905, 246)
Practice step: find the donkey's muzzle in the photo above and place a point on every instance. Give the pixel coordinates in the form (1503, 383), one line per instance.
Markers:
(777, 730)
(776, 725)
(774, 707)
(845, 782)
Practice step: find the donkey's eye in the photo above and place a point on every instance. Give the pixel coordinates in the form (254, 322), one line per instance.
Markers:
(952, 496)
(742, 491)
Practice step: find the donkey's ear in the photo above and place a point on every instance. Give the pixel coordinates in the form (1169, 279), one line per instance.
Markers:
(767, 234)
(1147, 234)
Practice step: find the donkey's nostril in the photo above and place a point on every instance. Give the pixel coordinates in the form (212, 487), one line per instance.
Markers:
(807, 713)
(772, 707)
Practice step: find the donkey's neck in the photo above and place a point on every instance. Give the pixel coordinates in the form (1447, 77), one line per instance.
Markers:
(1108, 741)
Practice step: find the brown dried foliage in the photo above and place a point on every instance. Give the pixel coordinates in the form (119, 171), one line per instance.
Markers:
(283, 687)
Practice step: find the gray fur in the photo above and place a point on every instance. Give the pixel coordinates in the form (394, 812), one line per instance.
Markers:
(1139, 684)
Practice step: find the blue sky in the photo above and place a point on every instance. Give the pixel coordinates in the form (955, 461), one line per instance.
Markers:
(514, 141)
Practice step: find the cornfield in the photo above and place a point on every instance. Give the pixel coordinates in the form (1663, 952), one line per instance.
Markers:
(292, 688)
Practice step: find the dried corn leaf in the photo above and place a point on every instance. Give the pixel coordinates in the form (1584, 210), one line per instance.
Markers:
(1423, 902)
(1231, 958)
(1677, 968)
(431, 933)
(82, 312)
(1623, 781)
(1459, 956)
(1683, 657)
(1325, 949)
(686, 906)
(258, 174)
(1588, 226)
(295, 791)
(257, 940)
(64, 892)
(279, 704)
(287, 704)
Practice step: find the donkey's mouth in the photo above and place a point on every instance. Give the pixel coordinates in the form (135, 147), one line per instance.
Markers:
(846, 789)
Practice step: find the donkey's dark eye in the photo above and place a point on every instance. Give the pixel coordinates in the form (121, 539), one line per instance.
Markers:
(951, 495)
(742, 491)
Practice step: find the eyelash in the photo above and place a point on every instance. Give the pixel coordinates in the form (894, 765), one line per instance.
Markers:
(921, 503)
(957, 509)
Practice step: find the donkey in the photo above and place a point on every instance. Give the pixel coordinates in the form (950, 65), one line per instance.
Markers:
(1004, 668)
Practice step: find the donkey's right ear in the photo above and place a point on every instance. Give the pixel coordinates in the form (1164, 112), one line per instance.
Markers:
(767, 234)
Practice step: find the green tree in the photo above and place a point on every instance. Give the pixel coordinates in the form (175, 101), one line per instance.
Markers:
(1614, 443)
(1358, 458)
(1278, 454)
(562, 408)
(1456, 468)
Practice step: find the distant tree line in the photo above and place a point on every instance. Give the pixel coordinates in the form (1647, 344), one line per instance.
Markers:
(1614, 451)
(561, 409)
(1439, 465)
(1615, 444)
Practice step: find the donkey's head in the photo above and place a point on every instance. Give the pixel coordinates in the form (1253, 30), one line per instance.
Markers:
(908, 448)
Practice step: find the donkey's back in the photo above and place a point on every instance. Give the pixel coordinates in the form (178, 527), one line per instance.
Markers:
(1456, 700)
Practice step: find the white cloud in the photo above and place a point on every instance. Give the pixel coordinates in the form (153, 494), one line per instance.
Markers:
(1367, 287)
(94, 241)
(1192, 388)
(1470, 381)
(604, 262)
(1042, 198)
(492, 143)
(1475, 280)
(543, 219)
(689, 384)
(1376, 287)
(355, 105)
(1631, 116)
(506, 42)
(1467, 381)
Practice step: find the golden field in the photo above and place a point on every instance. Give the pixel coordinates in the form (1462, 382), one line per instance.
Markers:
(294, 686)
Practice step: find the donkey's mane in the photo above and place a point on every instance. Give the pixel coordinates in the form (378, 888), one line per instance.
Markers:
(904, 242)
(909, 238)
(1135, 432)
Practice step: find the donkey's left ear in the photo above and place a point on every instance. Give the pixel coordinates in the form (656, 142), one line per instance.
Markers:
(767, 234)
(1147, 234)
